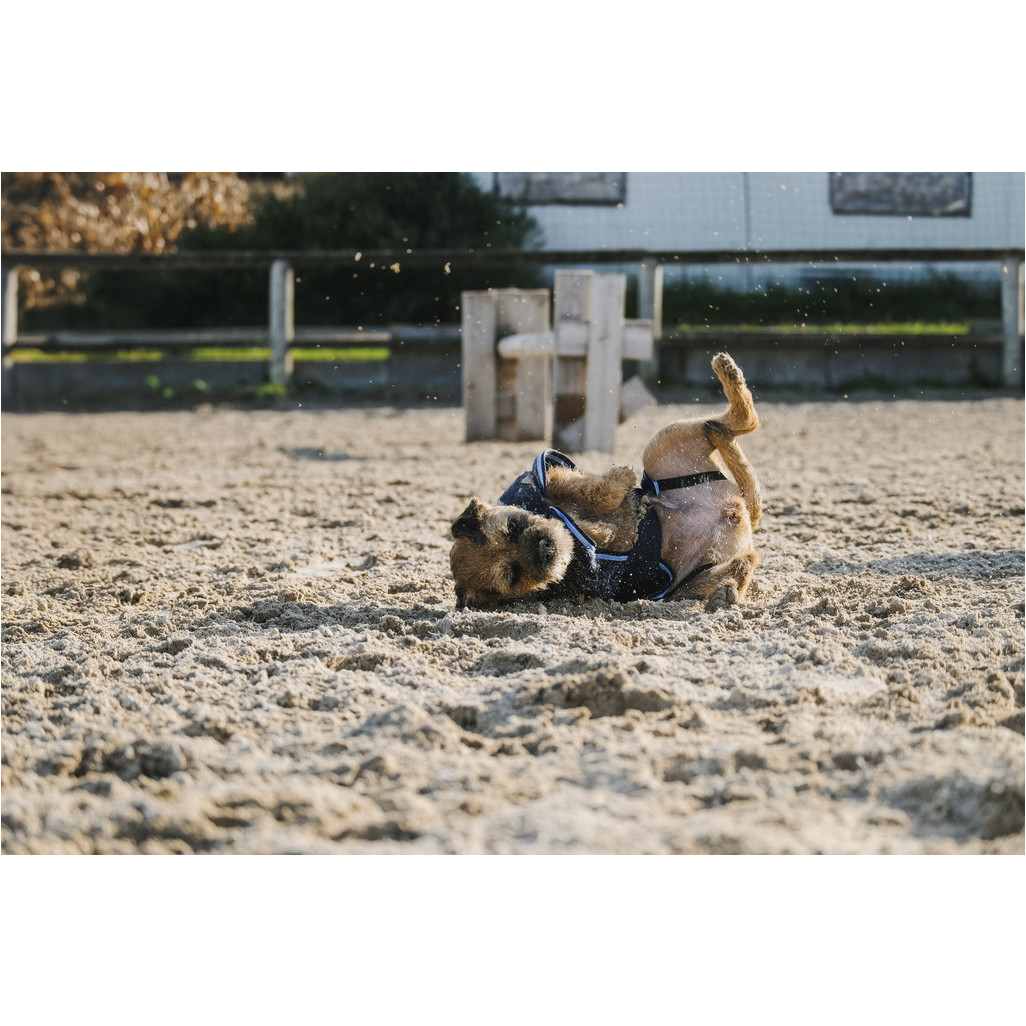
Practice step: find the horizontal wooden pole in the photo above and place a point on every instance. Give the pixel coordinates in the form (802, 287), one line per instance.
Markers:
(447, 260)
(536, 343)
(572, 340)
(186, 339)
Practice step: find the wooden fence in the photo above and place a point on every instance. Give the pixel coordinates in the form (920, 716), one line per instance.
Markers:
(282, 334)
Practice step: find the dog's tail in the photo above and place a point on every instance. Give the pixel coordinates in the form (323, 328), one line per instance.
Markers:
(741, 418)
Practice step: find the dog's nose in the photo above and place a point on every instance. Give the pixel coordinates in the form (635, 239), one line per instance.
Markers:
(546, 547)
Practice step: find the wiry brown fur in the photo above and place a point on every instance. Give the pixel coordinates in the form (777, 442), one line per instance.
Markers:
(502, 553)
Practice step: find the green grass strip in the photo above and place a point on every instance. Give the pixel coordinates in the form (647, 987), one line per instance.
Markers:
(205, 354)
(894, 328)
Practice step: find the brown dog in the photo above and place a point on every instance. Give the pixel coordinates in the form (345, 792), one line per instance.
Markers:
(686, 532)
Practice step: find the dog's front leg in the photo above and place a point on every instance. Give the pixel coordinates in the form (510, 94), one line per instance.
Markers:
(599, 493)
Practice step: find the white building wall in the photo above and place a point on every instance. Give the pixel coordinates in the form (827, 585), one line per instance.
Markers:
(792, 211)
(662, 210)
(770, 210)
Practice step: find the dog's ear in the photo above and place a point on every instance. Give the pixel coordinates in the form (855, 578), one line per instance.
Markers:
(468, 523)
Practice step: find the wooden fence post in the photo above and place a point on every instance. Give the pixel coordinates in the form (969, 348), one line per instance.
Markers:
(571, 305)
(282, 324)
(1012, 319)
(478, 335)
(650, 295)
(605, 356)
(592, 341)
(650, 307)
(10, 329)
(527, 380)
(504, 398)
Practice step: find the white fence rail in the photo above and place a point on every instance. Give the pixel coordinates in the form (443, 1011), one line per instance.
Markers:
(282, 333)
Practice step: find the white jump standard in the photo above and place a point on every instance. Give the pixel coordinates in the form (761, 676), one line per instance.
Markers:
(524, 381)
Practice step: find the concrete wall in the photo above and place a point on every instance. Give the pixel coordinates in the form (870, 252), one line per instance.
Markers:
(812, 363)
(836, 365)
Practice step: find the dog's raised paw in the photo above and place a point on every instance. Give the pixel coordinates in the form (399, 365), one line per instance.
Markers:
(723, 363)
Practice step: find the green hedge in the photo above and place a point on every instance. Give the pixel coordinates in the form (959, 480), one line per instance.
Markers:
(939, 298)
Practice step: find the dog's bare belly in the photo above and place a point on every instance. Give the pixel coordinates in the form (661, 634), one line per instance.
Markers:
(701, 525)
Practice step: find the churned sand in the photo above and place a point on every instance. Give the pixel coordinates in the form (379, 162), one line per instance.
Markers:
(233, 631)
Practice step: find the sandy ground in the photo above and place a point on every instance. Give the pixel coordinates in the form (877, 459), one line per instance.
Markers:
(233, 631)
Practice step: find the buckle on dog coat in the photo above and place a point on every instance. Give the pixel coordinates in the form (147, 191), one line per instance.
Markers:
(622, 576)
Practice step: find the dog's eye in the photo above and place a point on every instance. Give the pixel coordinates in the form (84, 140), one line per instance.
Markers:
(514, 529)
(513, 574)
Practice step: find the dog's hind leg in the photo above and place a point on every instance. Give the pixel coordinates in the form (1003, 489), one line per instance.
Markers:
(721, 439)
(722, 585)
(740, 418)
(684, 447)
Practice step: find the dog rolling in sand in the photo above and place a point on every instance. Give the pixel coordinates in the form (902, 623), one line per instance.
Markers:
(685, 532)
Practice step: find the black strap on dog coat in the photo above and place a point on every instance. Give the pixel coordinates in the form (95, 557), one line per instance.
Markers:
(666, 484)
(622, 576)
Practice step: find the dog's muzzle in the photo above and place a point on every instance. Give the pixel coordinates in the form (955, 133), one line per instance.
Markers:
(541, 549)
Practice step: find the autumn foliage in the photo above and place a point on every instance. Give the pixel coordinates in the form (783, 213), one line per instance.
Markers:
(153, 212)
(115, 212)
